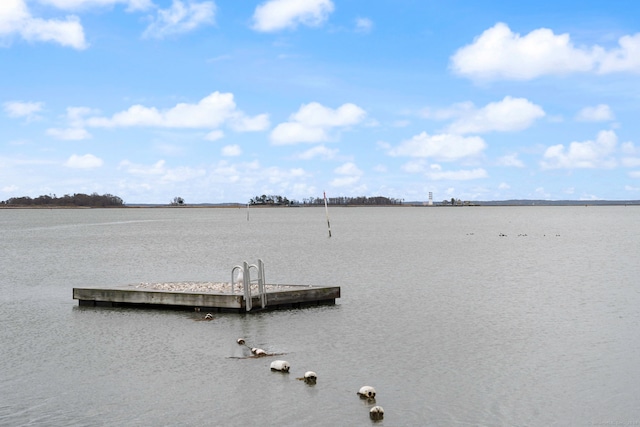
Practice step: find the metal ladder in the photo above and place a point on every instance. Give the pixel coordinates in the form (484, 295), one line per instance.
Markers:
(246, 269)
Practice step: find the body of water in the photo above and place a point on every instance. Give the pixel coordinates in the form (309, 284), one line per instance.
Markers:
(481, 316)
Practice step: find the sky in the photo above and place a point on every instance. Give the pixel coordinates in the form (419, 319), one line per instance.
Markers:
(219, 101)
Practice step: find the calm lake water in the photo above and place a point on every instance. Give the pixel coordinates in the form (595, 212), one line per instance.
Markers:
(482, 316)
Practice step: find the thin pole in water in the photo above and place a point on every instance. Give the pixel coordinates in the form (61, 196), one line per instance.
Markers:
(247, 211)
(326, 209)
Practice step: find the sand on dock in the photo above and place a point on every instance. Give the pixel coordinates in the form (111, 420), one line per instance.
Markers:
(208, 287)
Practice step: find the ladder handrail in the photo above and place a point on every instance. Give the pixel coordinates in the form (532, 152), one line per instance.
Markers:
(245, 269)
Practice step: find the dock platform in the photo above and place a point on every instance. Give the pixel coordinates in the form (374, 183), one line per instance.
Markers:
(207, 296)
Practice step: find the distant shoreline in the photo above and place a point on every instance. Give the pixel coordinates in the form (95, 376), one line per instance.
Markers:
(522, 203)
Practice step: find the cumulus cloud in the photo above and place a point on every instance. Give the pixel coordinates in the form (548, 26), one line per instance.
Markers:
(624, 58)
(15, 18)
(599, 113)
(275, 15)
(210, 112)
(587, 154)
(499, 53)
(87, 161)
(313, 123)
(508, 115)
(445, 147)
(19, 109)
(181, 18)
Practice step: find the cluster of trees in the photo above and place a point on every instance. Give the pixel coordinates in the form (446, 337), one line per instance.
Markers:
(271, 200)
(79, 199)
(177, 201)
(360, 201)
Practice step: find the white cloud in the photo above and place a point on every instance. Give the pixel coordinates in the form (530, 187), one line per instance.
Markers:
(15, 18)
(18, 109)
(599, 113)
(588, 154)
(69, 134)
(210, 112)
(364, 25)
(293, 133)
(313, 122)
(231, 150)
(444, 147)
(88, 161)
(508, 115)
(499, 53)
(624, 58)
(510, 160)
(242, 123)
(275, 15)
(460, 175)
(181, 18)
(318, 151)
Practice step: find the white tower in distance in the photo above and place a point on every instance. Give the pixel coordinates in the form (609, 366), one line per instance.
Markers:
(430, 198)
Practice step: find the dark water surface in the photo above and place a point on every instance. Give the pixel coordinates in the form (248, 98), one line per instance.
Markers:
(452, 323)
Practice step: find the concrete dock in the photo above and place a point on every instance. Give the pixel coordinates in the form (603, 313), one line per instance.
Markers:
(206, 296)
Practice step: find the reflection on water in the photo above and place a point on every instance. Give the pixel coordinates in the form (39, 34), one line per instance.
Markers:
(452, 323)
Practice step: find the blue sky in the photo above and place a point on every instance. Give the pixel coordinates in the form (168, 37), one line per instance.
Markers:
(220, 101)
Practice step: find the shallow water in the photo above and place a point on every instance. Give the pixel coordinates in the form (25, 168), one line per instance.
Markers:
(452, 323)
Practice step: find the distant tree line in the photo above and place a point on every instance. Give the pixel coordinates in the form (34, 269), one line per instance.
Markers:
(275, 200)
(271, 200)
(360, 201)
(79, 199)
